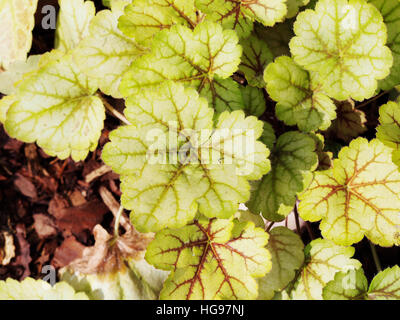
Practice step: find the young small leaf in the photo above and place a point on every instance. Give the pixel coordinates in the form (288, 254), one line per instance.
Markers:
(293, 159)
(240, 14)
(253, 101)
(349, 123)
(353, 285)
(57, 108)
(73, 23)
(344, 41)
(194, 58)
(255, 58)
(350, 285)
(299, 96)
(287, 253)
(323, 260)
(31, 289)
(211, 259)
(358, 196)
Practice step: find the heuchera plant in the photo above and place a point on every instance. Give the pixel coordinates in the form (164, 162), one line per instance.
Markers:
(226, 103)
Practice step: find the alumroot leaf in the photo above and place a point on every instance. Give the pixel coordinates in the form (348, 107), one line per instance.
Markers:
(204, 58)
(174, 161)
(323, 259)
(56, 106)
(293, 159)
(300, 97)
(353, 285)
(31, 289)
(344, 42)
(240, 14)
(287, 251)
(211, 259)
(16, 22)
(358, 196)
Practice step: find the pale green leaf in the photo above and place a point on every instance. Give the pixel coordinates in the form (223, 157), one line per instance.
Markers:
(194, 58)
(287, 253)
(173, 160)
(144, 18)
(240, 14)
(300, 98)
(350, 285)
(292, 161)
(211, 259)
(31, 289)
(344, 41)
(16, 23)
(390, 10)
(388, 130)
(9, 79)
(323, 259)
(106, 53)
(385, 285)
(358, 196)
(73, 23)
(57, 108)
(255, 58)
(353, 285)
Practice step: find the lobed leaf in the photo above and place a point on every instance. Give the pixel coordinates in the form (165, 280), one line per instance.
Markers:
(173, 161)
(357, 197)
(31, 289)
(143, 19)
(349, 123)
(350, 285)
(73, 23)
(256, 56)
(353, 285)
(240, 14)
(344, 42)
(292, 161)
(299, 96)
(323, 259)
(16, 21)
(388, 130)
(57, 108)
(211, 259)
(287, 254)
(106, 53)
(390, 10)
(253, 101)
(203, 58)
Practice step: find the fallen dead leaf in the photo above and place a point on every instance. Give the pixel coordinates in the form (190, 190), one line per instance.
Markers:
(109, 252)
(44, 226)
(8, 250)
(69, 251)
(23, 257)
(25, 186)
